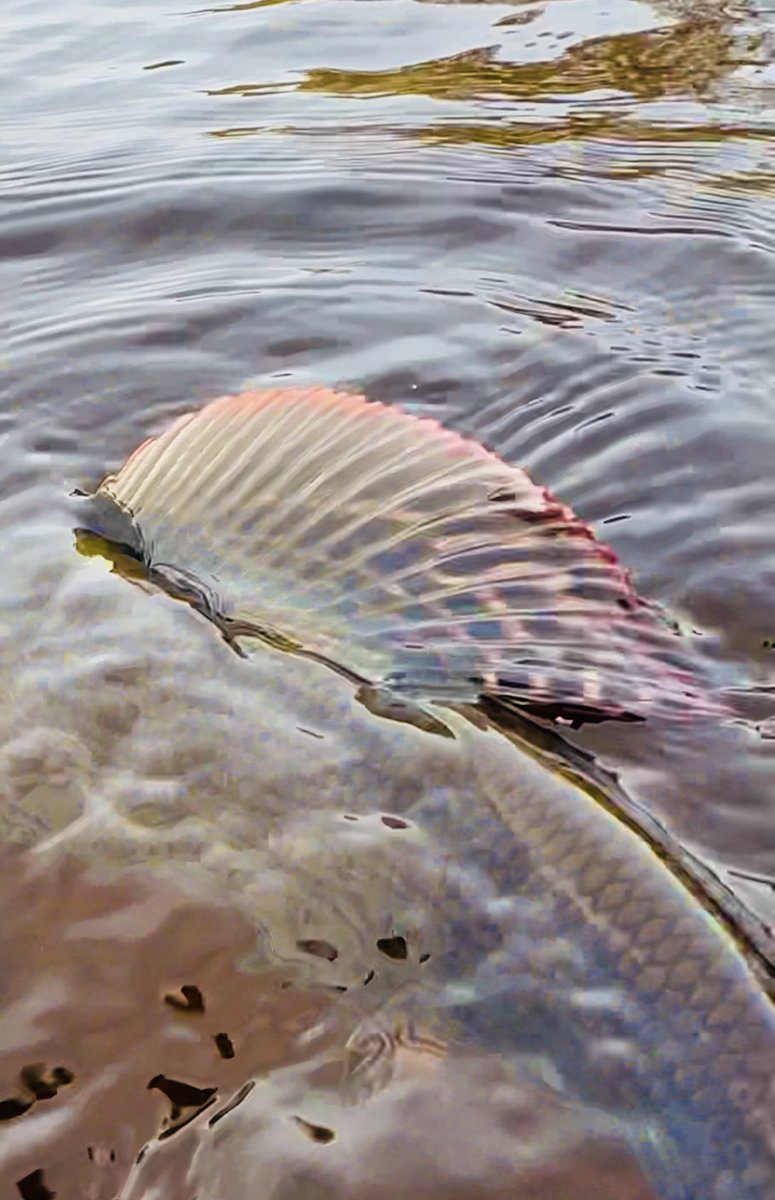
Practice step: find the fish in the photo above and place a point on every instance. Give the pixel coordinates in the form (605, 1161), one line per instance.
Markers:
(431, 577)
(414, 560)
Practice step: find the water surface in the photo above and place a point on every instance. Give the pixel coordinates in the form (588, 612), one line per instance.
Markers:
(550, 224)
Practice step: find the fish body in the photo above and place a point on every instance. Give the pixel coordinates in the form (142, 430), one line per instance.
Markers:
(415, 563)
(684, 1036)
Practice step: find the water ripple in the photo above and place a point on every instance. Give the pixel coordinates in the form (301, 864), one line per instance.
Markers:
(549, 224)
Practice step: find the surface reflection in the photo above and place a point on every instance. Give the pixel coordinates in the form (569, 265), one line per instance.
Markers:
(550, 225)
(684, 59)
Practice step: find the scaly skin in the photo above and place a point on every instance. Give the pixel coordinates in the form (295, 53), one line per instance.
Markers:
(705, 1021)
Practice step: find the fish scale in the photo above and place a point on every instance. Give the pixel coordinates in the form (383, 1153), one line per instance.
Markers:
(705, 1020)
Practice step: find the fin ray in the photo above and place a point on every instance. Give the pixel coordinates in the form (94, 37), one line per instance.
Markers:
(407, 554)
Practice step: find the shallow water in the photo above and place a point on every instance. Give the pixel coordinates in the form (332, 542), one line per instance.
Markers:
(550, 224)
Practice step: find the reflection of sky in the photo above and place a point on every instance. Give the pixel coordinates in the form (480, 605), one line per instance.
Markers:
(86, 79)
(557, 27)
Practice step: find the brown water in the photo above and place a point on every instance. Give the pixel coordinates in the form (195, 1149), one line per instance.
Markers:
(550, 224)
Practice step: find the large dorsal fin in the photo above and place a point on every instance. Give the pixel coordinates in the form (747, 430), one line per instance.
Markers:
(407, 555)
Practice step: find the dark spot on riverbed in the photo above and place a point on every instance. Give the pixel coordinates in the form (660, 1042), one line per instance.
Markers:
(192, 1002)
(37, 1084)
(395, 823)
(43, 1085)
(317, 1133)
(14, 1107)
(224, 1045)
(394, 947)
(318, 948)
(180, 1094)
(33, 1187)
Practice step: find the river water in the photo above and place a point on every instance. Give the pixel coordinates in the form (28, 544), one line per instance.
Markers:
(551, 225)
